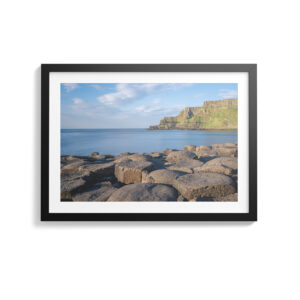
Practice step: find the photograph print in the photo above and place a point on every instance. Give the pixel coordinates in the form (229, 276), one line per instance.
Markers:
(149, 142)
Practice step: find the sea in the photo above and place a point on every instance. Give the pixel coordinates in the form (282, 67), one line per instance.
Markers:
(116, 141)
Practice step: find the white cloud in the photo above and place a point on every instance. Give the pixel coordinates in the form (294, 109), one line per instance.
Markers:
(77, 101)
(70, 86)
(156, 108)
(128, 92)
(228, 94)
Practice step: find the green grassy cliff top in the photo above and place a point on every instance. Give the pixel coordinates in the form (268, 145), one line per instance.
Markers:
(220, 114)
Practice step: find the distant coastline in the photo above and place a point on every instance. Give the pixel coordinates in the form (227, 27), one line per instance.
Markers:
(213, 115)
(199, 129)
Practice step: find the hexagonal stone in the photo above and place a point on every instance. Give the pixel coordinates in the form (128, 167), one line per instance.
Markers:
(96, 193)
(144, 192)
(227, 151)
(176, 156)
(205, 156)
(98, 171)
(73, 166)
(203, 185)
(187, 166)
(131, 171)
(222, 165)
(163, 176)
(70, 184)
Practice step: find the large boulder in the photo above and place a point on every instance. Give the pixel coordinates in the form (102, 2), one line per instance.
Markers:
(223, 165)
(176, 156)
(97, 193)
(132, 157)
(73, 166)
(203, 185)
(227, 151)
(71, 184)
(144, 192)
(190, 148)
(98, 171)
(163, 176)
(131, 171)
(187, 166)
(205, 156)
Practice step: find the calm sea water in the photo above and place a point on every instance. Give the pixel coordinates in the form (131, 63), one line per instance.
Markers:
(115, 141)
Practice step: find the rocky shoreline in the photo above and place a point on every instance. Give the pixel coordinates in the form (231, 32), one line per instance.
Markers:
(204, 173)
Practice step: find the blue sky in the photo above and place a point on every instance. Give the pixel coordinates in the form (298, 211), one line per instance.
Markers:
(133, 105)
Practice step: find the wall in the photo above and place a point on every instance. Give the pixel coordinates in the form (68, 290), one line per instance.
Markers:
(150, 261)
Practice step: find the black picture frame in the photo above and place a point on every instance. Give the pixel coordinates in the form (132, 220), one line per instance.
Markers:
(251, 69)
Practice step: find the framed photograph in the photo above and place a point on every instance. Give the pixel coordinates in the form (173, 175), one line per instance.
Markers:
(153, 142)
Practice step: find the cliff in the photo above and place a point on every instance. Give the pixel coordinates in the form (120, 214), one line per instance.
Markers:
(220, 114)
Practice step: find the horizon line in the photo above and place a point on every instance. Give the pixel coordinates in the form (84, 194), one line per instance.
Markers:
(109, 128)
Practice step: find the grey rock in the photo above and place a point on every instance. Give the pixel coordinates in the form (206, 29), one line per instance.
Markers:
(204, 185)
(99, 193)
(222, 165)
(215, 146)
(190, 148)
(98, 156)
(230, 145)
(144, 192)
(131, 171)
(139, 156)
(98, 171)
(227, 151)
(68, 158)
(73, 166)
(163, 176)
(228, 198)
(187, 166)
(181, 198)
(204, 148)
(167, 150)
(156, 154)
(176, 156)
(70, 184)
(203, 153)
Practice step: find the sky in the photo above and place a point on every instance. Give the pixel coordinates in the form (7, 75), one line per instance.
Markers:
(133, 105)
